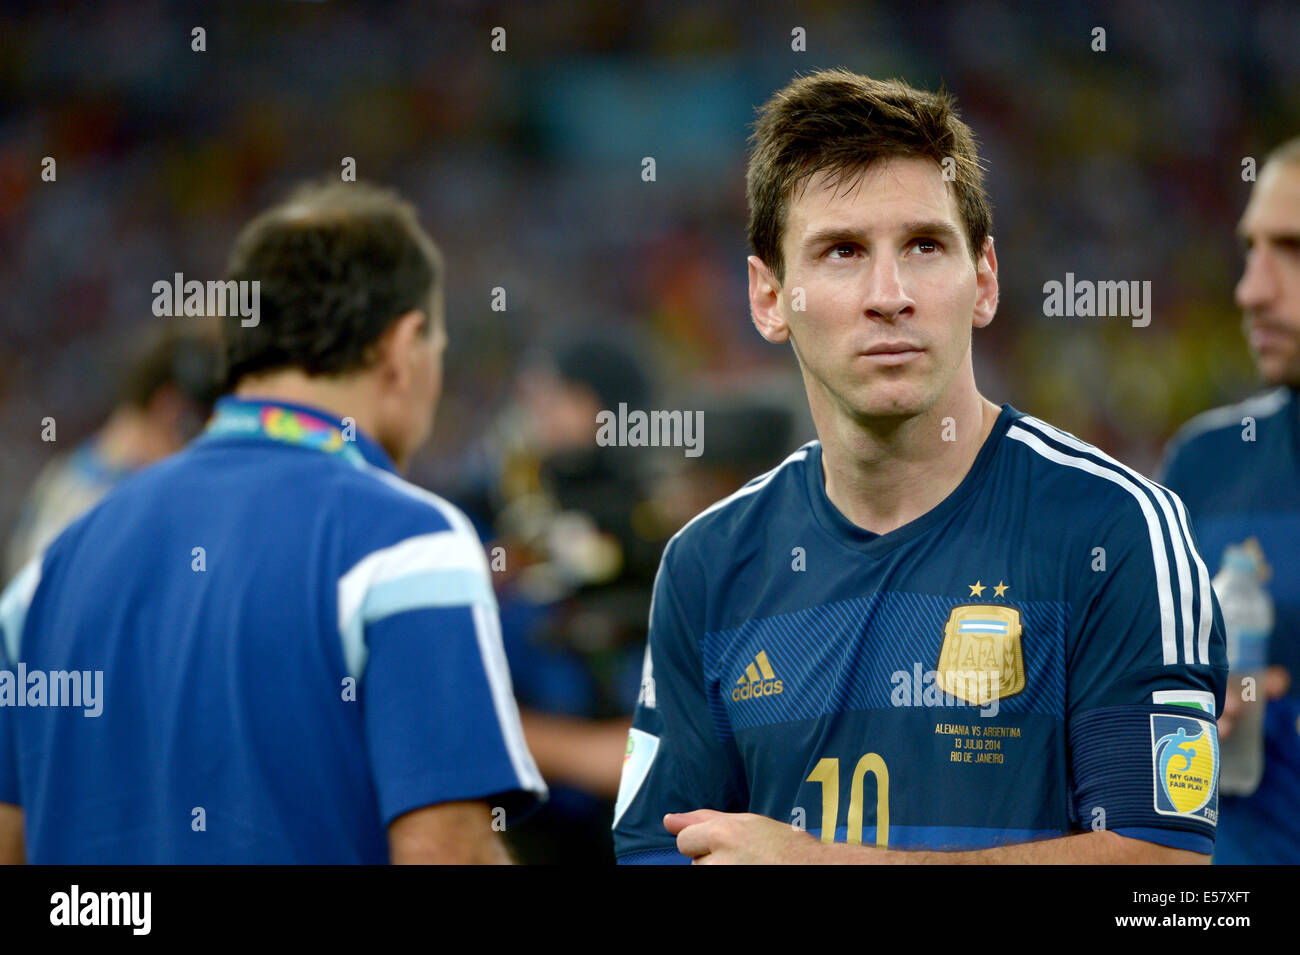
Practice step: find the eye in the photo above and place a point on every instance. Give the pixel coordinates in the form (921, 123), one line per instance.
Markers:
(927, 246)
(840, 246)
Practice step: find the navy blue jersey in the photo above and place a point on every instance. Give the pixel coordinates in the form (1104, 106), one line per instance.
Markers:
(1039, 654)
(1238, 470)
(277, 646)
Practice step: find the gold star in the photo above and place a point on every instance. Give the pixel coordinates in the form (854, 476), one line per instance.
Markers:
(976, 589)
(1000, 589)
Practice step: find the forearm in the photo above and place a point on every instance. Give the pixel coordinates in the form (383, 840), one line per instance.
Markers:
(1088, 848)
(584, 753)
(11, 835)
(488, 852)
(455, 833)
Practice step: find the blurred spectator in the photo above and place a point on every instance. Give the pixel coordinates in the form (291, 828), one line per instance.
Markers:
(577, 562)
(164, 397)
(580, 528)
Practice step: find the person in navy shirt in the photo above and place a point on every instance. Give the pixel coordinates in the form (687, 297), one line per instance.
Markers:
(945, 631)
(294, 654)
(1238, 469)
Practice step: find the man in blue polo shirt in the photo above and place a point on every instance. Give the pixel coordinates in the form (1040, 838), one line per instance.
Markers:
(1238, 469)
(284, 652)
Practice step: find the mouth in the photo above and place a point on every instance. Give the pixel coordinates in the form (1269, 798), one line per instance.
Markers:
(892, 353)
(1268, 337)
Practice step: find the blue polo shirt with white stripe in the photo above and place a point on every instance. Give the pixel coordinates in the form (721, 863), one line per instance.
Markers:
(296, 645)
(1038, 655)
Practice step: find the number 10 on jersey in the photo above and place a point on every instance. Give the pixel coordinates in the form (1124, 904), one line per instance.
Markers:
(827, 772)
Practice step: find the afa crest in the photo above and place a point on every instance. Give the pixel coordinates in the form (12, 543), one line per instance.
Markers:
(1185, 756)
(981, 659)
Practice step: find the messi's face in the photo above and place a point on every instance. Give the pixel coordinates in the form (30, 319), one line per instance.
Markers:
(880, 291)
(1269, 290)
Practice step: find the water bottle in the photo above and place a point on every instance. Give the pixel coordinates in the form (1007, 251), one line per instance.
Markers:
(1248, 621)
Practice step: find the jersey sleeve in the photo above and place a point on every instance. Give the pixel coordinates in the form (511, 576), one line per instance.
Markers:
(675, 761)
(420, 627)
(1146, 677)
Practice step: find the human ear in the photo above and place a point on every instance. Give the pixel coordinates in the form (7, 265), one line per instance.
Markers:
(986, 285)
(765, 302)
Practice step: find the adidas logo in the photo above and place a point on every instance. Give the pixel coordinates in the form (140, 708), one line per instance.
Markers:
(758, 680)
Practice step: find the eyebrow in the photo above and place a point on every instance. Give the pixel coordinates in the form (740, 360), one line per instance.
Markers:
(935, 227)
(1277, 238)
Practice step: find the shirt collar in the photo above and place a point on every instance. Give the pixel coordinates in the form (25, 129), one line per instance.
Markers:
(876, 545)
(285, 422)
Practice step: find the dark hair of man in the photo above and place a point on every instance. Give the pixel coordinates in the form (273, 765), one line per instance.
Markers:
(337, 263)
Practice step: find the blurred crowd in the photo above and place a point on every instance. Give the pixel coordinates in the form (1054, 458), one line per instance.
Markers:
(527, 167)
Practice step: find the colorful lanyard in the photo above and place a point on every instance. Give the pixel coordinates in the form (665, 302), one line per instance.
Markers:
(274, 423)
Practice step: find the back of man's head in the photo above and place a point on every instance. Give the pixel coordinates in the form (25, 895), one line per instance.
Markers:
(336, 264)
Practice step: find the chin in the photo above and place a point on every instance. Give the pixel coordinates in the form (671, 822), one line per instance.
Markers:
(1276, 371)
(901, 405)
(897, 397)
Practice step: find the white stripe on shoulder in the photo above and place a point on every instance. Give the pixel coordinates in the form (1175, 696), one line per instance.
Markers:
(1229, 416)
(755, 485)
(442, 569)
(446, 568)
(1168, 639)
(422, 554)
(1180, 540)
(14, 603)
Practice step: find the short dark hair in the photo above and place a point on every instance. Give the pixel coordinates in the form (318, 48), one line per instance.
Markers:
(337, 263)
(842, 122)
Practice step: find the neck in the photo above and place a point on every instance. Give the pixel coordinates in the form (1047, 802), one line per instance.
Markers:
(348, 397)
(882, 474)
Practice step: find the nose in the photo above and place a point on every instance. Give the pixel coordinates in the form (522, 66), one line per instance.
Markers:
(885, 296)
(1258, 285)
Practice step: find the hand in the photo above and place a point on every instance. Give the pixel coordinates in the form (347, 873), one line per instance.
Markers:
(710, 837)
(1276, 682)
